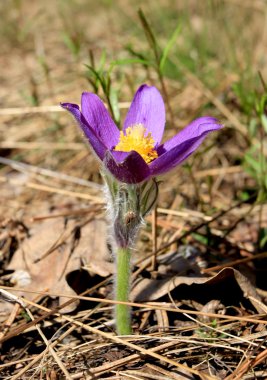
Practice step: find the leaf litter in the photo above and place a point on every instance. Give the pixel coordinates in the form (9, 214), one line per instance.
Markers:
(65, 247)
(55, 243)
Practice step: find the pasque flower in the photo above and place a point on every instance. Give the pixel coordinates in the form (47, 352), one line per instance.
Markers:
(132, 158)
(136, 154)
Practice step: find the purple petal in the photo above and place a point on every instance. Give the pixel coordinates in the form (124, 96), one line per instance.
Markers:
(99, 119)
(147, 108)
(177, 149)
(95, 142)
(192, 130)
(127, 167)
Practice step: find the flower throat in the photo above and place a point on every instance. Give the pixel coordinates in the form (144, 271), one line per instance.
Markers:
(135, 139)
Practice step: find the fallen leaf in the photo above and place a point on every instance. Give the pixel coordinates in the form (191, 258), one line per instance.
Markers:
(229, 286)
(54, 251)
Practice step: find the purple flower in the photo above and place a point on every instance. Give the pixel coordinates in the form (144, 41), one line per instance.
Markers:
(135, 154)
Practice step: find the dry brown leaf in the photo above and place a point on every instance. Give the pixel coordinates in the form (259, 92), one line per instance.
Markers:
(163, 320)
(45, 260)
(179, 262)
(212, 307)
(229, 285)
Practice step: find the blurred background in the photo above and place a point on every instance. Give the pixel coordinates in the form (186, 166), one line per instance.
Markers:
(206, 57)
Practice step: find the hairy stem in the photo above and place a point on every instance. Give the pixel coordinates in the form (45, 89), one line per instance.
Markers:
(123, 312)
(127, 204)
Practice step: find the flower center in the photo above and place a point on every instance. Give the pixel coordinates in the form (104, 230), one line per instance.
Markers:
(135, 139)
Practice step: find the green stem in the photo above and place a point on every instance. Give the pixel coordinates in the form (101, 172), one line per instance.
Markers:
(122, 312)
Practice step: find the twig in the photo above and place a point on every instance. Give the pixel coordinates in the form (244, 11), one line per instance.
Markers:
(42, 109)
(247, 365)
(235, 262)
(167, 374)
(82, 211)
(149, 306)
(41, 145)
(119, 340)
(49, 348)
(193, 229)
(9, 297)
(10, 320)
(118, 363)
(22, 167)
(56, 190)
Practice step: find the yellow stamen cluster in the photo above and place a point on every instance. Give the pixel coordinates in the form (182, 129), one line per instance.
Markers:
(135, 139)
